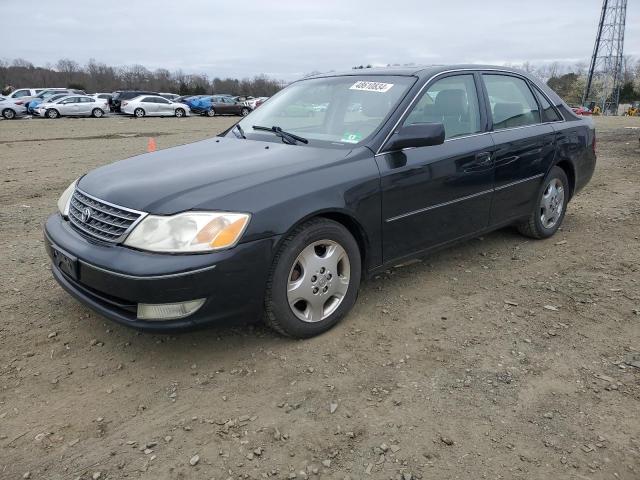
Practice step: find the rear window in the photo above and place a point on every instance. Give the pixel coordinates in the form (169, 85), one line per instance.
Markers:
(511, 100)
(549, 113)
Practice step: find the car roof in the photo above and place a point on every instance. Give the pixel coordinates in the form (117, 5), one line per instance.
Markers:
(425, 72)
(147, 95)
(420, 71)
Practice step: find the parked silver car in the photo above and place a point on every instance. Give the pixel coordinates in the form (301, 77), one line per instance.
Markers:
(10, 110)
(73, 106)
(154, 106)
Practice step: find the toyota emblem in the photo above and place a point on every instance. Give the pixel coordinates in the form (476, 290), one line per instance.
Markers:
(86, 214)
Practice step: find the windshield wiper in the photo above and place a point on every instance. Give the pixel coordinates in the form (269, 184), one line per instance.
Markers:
(240, 130)
(286, 137)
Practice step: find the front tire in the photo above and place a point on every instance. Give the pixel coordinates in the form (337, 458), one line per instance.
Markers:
(139, 113)
(210, 113)
(52, 113)
(179, 112)
(245, 111)
(550, 207)
(314, 279)
(97, 113)
(8, 114)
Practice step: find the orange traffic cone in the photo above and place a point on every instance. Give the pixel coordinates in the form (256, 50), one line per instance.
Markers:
(151, 145)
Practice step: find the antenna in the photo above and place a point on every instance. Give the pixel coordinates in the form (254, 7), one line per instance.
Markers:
(605, 70)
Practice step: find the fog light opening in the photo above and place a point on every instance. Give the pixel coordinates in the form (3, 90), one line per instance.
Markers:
(168, 311)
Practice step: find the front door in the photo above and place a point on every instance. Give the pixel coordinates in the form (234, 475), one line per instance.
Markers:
(436, 194)
(70, 106)
(164, 106)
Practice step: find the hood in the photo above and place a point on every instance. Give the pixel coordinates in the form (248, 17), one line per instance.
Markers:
(201, 175)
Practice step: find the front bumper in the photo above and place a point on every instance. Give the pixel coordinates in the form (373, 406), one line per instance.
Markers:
(112, 279)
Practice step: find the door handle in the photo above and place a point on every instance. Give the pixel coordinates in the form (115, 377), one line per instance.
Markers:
(483, 159)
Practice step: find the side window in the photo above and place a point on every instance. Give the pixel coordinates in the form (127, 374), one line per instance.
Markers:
(148, 100)
(21, 93)
(549, 114)
(162, 100)
(453, 101)
(511, 100)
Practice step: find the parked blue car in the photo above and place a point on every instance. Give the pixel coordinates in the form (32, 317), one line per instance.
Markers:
(200, 104)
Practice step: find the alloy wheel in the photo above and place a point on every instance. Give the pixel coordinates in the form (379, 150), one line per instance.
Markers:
(318, 280)
(552, 203)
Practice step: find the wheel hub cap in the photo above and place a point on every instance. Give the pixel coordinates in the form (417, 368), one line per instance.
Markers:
(318, 280)
(552, 203)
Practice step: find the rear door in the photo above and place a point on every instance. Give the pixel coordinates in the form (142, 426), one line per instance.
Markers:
(433, 195)
(524, 145)
(85, 106)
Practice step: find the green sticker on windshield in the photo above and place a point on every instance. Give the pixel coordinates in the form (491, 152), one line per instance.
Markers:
(349, 137)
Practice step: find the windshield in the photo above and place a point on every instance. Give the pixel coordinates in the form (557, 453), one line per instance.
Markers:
(338, 111)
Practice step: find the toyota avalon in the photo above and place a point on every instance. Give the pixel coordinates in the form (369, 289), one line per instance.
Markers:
(281, 216)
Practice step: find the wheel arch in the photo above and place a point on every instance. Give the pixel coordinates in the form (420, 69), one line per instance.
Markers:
(570, 170)
(347, 220)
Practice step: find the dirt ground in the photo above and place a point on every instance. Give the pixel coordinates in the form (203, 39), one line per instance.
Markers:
(500, 358)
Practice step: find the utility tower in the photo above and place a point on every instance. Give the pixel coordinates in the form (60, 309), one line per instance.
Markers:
(605, 70)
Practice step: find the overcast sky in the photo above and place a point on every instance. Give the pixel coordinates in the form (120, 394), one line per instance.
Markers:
(288, 38)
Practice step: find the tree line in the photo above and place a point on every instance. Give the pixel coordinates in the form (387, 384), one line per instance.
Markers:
(100, 77)
(568, 80)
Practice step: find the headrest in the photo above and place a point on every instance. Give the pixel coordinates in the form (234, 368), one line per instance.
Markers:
(451, 102)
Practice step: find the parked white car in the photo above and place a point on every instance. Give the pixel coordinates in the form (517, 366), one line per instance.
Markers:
(254, 103)
(154, 106)
(101, 96)
(24, 92)
(73, 106)
(10, 110)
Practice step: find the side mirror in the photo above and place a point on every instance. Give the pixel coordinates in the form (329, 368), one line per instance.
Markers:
(417, 135)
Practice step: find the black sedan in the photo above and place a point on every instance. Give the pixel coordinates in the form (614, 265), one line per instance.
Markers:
(282, 215)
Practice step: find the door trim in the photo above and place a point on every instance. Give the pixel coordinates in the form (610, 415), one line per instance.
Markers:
(522, 180)
(438, 205)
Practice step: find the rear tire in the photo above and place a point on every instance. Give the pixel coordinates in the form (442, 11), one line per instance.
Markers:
(210, 113)
(8, 114)
(97, 113)
(52, 113)
(245, 111)
(550, 207)
(314, 279)
(139, 113)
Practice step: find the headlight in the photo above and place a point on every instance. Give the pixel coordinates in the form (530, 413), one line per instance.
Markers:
(65, 199)
(188, 232)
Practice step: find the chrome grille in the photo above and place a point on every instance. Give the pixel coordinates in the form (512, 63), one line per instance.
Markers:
(105, 221)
